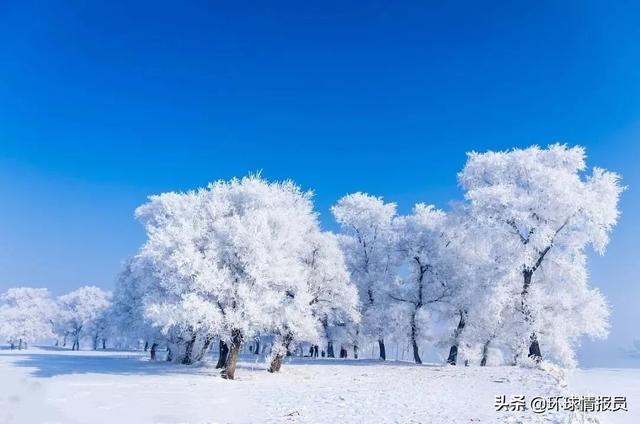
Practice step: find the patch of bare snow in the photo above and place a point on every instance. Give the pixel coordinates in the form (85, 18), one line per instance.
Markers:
(52, 386)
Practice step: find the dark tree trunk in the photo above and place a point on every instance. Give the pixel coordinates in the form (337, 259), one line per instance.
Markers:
(223, 353)
(355, 351)
(276, 362)
(416, 353)
(453, 352)
(95, 342)
(414, 341)
(188, 351)
(534, 346)
(343, 352)
(325, 326)
(169, 355)
(453, 355)
(104, 344)
(232, 359)
(383, 351)
(485, 352)
(152, 352)
(146, 345)
(257, 351)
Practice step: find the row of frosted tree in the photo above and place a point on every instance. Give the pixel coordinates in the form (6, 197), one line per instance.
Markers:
(31, 314)
(501, 274)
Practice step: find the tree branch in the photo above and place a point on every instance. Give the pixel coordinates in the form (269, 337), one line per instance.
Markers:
(399, 299)
(544, 252)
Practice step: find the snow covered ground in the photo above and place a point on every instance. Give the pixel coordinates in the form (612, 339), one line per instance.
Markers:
(59, 386)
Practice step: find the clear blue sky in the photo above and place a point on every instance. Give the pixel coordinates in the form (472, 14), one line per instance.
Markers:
(103, 104)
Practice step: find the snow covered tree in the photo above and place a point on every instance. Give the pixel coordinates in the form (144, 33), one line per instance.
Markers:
(226, 261)
(477, 286)
(333, 299)
(422, 244)
(81, 309)
(179, 273)
(127, 313)
(542, 210)
(25, 315)
(367, 240)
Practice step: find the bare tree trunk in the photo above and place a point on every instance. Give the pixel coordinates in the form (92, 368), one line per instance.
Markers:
(232, 359)
(281, 351)
(146, 345)
(325, 326)
(104, 343)
(414, 338)
(453, 352)
(188, 351)
(76, 340)
(383, 351)
(223, 353)
(355, 351)
(534, 345)
(95, 342)
(257, 351)
(485, 352)
(343, 352)
(152, 353)
(205, 348)
(169, 355)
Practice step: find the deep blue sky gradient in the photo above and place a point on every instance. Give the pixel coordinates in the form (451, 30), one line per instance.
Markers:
(103, 104)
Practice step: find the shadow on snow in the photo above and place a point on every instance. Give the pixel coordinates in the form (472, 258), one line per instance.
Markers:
(56, 361)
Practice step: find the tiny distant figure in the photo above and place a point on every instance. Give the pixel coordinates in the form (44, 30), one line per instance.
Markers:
(310, 351)
(315, 351)
(323, 353)
(343, 352)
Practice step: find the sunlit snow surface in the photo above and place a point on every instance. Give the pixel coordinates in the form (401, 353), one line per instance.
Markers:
(59, 386)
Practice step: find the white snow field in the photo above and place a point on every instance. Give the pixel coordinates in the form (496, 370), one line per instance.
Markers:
(60, 386)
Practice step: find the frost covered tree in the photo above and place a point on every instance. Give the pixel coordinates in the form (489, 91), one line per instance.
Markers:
(542, 210)
(127, 314)
(178, 274)
(25, 315)
(225, 261)
(81, 309)
(332, 299)
(367, 239)
(422, 244)
(477, 286)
